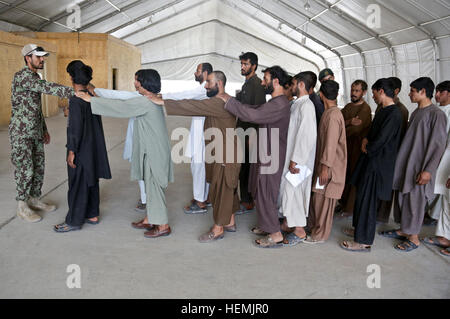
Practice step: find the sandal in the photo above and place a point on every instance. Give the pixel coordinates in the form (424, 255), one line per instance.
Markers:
(351, 245)
(88, 221)
(64, 228)
(230, 229)
(210, 237)
(259, 232)
(292, 239)
(445, 252)
(245, 210)
(433, 241)
(310, 240)
(194, 208)
(391, 234)
(140, 207)
(268, 242)
(406, 246)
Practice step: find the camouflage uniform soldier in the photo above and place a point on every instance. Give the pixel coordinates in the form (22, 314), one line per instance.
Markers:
(28, 132)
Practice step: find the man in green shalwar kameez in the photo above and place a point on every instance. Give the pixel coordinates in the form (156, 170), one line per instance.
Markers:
(151, 159)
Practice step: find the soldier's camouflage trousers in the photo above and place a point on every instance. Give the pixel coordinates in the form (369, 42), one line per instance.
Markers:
(28, 157)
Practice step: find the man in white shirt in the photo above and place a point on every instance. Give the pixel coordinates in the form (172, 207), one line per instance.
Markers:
(196, 143)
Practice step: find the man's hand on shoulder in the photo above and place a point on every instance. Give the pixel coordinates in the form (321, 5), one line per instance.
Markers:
(83, 95)
(223, 96)
(155, 98)
(91, 88)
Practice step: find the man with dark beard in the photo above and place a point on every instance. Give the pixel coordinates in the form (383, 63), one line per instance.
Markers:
(252, 93)
(273, 119)
(357, 117)
(221, 171)
(196, 143)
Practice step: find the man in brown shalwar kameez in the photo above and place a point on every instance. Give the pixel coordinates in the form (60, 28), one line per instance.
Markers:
(222, 174)
(330, 166)
(357, 117)
(273, 120)
(385, 206)
(417, 162)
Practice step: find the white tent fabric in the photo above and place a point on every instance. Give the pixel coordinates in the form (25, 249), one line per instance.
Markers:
(411, 38)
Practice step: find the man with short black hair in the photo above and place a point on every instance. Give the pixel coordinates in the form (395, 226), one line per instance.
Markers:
(417, 161)
(330, 165)
(28, 132)
(357, 117)
(374, 170)
(252, 93)
(273, 118)
(295, 189)
(384, 209)
(314, 97)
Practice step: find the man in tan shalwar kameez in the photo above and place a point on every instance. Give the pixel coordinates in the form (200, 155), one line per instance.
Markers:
(222, 173)
(330, 166)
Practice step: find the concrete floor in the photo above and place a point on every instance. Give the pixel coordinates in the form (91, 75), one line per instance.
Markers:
(116, 261)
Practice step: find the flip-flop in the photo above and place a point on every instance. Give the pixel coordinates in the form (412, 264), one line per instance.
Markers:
(407, 245)
(243, 210)
(268, 242)
(230, 229)
(259, 232)
(64, 228)
(345, 245)
(88, 221)
(195, 209)
(311, 241)
(391, 234)
(291, 239)
(445, 254)
(433, 240)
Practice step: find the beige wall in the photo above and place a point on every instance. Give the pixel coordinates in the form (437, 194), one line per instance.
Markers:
(101, 51)
(126, 58)
(12, 61)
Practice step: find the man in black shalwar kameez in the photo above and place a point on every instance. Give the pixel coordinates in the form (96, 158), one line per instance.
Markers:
(374, 171)
(87, 157)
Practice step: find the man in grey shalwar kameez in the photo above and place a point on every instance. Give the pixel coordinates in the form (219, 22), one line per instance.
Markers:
(273, 120)
(151, 159)
(417, 162)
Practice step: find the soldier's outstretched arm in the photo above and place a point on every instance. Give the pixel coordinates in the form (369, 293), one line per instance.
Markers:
(45, 87)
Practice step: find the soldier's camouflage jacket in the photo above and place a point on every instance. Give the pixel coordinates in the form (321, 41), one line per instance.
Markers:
(27, 119)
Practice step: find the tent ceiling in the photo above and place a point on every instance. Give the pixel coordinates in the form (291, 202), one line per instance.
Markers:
(328, 25)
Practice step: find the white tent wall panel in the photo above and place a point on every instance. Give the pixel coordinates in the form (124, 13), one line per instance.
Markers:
(183, 69)
(444, 59)
(181, 44)
(236, 18)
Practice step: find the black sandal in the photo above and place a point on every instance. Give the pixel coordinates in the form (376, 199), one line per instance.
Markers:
(64, 228)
